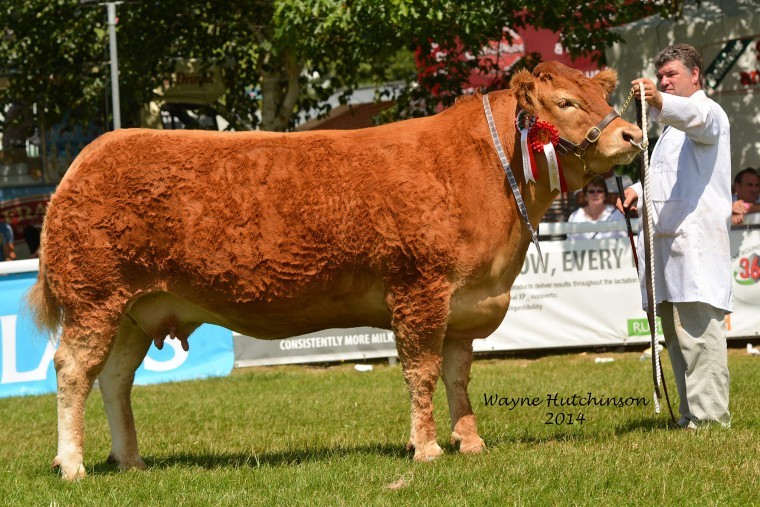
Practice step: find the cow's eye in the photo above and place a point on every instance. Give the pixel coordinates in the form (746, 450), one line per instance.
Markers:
(564, 104)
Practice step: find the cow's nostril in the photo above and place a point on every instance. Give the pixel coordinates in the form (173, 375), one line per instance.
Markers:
(632, 137)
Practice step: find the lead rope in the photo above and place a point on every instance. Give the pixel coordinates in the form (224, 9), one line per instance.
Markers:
(658, 376)
(656, 365)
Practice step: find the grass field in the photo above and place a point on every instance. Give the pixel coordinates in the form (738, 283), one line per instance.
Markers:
(334, 436)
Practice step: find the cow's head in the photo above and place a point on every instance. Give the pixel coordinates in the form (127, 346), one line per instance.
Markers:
(574, 104)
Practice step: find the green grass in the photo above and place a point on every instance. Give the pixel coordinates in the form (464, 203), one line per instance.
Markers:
(334, 436)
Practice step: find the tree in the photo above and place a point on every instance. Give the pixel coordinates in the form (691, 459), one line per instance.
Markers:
(276, 57)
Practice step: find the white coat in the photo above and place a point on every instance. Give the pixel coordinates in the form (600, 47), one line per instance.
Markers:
(690, 178)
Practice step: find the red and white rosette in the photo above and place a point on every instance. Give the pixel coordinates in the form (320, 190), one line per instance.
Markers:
(542, 137)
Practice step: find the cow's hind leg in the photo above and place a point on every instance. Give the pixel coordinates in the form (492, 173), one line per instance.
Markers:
(115, 383)
(80, 357)
(457, 360)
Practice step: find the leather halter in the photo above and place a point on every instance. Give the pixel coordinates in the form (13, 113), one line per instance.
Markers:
(565, 146)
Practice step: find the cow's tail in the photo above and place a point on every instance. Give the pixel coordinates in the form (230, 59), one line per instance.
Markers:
(44, 307)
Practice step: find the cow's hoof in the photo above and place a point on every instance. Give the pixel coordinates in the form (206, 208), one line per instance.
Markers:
(475, 446)
(127, 463)
(428, 453)
(468, 445)
(72, 472)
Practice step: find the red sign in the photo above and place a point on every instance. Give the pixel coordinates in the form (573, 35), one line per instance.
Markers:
(498, 57)
(22, 212)
(547, 44)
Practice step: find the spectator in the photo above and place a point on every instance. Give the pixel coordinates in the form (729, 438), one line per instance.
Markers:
(8, 251)
(596, 210)
(746, 190)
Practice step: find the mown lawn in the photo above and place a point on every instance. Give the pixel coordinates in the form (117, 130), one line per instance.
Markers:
(335, 436)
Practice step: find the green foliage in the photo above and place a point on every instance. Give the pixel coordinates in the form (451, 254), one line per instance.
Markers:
(300, 435)
(47, 59)
(56, 53)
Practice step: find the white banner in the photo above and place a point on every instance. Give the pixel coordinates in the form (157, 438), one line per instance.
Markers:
(745, 258)
(587, 294)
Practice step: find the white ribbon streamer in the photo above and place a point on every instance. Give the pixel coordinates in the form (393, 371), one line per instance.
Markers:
(527, 169)
(553, 163)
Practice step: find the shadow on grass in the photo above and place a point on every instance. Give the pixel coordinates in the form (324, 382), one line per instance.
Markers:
(579, 434)
(531, 439)
(645, 424)
(211, 461)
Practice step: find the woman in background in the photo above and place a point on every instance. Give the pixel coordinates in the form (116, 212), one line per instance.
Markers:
(596, 210)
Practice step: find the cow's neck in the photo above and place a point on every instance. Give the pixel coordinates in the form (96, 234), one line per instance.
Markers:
(537, 195)
(538, 198)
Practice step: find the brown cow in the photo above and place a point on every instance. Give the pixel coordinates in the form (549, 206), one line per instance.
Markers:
(410, 226)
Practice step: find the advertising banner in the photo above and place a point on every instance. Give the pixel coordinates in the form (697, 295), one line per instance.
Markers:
(345, 344)
(587, 293)
(26, 356)
(745, 258)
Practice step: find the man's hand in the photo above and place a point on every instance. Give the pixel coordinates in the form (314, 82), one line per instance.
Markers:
(738, 210)
(630, 198)
(651, 94)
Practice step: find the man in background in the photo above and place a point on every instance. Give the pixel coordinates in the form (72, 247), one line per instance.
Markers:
(747, 191)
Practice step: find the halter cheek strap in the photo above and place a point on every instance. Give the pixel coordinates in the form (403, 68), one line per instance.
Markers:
(593, 134)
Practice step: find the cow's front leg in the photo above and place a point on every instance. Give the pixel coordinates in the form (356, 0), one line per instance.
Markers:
(421, 360)
(116, 382)
(457, 360)
(419, 322)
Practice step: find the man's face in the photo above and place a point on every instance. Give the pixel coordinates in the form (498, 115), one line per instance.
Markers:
(748, 188)
(675, 79)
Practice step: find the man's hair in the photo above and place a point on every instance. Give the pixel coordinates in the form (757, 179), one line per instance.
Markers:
(740, 175)
(684, 53)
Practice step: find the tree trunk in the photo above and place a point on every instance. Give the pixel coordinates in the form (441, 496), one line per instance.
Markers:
(280, 90)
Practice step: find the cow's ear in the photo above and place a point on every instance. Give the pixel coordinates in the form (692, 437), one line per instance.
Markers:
(524, 86)
(607, 79)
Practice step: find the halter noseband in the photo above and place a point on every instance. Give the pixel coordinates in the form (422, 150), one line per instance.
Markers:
(565, 146)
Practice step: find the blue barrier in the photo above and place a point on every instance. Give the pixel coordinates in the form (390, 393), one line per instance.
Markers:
(26, 356)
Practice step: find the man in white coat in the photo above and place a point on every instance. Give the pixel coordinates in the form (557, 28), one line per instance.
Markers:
(690, 179)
